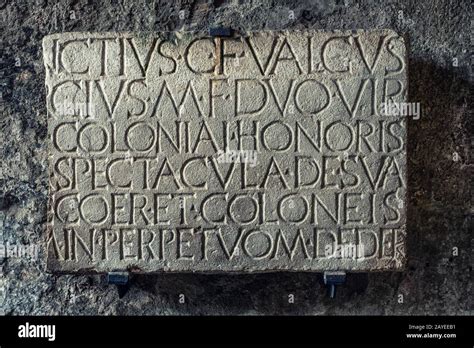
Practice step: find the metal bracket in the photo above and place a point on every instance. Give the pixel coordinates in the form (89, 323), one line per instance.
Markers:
(121, 280)
(332, 279)
(220, 31)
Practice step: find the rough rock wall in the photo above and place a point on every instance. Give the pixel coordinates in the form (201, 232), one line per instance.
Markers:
(438, 275)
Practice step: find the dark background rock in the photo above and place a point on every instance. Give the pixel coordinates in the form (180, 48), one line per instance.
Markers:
(439, 197)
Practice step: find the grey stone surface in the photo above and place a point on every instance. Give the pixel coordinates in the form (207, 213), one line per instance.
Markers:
(257, 152)
(435, 280)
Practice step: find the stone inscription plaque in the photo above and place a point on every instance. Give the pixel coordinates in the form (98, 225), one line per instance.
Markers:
(259, 152)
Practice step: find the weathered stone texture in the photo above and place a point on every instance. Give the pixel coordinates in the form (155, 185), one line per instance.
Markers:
(434, 282)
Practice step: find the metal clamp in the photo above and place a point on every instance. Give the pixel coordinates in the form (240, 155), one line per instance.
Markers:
(332, 279)
(121, 280)
(220, 31)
